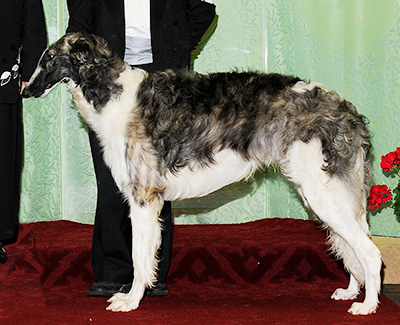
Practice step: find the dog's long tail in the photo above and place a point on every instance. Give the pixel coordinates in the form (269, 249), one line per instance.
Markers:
(342, 131)
(348, 155)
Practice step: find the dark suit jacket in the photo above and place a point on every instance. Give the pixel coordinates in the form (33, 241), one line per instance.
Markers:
(176, 26)
(22, 27)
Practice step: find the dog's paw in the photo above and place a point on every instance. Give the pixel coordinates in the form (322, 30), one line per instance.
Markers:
(119, 296)
(122, 302)
(362, 308)
(344, 294)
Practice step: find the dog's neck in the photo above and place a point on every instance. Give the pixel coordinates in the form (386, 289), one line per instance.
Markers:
(110, 123)
(124, 100)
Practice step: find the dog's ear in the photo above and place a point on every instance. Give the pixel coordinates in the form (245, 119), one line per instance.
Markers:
(89, 49)
(80, 51)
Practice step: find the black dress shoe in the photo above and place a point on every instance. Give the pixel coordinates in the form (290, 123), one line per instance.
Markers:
(107, 288)
(159, 290)
(3, 254)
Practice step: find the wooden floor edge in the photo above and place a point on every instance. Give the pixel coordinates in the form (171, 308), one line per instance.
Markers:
(390, 249)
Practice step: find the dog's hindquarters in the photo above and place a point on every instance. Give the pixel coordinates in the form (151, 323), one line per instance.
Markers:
(340, 203)
(329, 165)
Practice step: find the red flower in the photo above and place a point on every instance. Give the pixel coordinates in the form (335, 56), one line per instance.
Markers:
(388, 161)
(378, 195)
(397, 152)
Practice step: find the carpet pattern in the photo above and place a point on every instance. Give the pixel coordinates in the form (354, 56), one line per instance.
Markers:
(273, 271)
(261, 252)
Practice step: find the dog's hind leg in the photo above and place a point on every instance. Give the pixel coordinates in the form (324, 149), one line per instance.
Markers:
(339, 207)
(342, 250)
(146, 240)
(350, 293)
(360, 256)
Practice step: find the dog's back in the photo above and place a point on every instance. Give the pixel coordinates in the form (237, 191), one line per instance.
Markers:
(257, 115)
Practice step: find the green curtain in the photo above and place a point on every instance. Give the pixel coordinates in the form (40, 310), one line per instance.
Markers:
(58, 179)
(352, 46)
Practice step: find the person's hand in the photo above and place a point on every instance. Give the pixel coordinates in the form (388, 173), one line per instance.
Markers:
(23, 84)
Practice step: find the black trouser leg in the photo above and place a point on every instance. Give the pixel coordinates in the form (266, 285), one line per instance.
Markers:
(11, 153)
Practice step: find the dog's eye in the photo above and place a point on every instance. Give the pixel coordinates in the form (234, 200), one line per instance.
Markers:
(51, 56)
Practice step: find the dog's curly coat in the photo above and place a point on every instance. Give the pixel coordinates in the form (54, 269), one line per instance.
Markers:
(176, 134)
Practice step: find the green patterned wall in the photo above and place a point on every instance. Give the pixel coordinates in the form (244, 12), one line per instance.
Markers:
(58, 180)
(354, 48)
(350, 46)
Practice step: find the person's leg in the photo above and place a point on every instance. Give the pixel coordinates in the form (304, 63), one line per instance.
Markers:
(11, 148)
(112, 236)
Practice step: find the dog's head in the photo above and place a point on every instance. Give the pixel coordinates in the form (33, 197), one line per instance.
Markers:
(74, 57)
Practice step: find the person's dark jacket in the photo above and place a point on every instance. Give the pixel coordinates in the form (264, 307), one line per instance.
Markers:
(176, 26)
(22, 39)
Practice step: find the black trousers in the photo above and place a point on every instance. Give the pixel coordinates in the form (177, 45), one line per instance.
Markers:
(112, 235)
(11, 150)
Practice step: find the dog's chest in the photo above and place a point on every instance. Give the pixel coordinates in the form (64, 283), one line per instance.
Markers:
(197, 181)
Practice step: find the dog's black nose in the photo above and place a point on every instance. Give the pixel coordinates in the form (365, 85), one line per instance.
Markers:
(25, 93)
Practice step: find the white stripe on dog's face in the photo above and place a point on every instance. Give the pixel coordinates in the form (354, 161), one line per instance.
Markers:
(27, 92)
(46, 90)
(53, 67)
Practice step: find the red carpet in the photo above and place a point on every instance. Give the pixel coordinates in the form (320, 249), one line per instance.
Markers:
(273, 271)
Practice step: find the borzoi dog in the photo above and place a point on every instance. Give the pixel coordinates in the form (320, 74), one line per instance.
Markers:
(176, 134)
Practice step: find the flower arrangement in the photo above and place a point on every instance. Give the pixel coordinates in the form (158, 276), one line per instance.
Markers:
(381, 196)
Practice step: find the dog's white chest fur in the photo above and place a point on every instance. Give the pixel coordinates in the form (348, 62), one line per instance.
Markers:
(197, 181)
(111, 124)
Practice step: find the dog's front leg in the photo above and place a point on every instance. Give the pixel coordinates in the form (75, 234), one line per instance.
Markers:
(146, 239)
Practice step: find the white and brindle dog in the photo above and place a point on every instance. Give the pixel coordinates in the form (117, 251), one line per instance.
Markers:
(177, 134)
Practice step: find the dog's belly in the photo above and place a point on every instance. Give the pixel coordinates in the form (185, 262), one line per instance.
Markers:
(197, 181)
